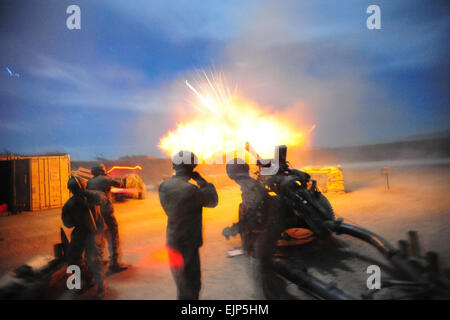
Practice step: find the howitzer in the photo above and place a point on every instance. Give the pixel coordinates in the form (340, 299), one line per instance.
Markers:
(297, 192)
(301, 198)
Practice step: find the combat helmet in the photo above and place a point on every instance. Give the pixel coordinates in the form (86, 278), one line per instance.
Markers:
(184, 161)
(74, 184)
(98, 170)
(237, 168)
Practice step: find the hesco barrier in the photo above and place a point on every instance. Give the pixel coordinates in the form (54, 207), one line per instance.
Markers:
(36, 182)
(329, 179)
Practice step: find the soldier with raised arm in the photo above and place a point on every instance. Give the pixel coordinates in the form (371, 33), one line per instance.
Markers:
(260, 227)
(101, 182)
(183, 203)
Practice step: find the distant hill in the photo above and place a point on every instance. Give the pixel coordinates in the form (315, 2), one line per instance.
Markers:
(428, 136)
(427, 147)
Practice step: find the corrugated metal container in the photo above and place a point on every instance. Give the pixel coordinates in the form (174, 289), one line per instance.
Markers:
(38, 182)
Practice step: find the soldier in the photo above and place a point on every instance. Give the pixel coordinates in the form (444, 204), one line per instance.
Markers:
(183, 202)
(260, 227)
(103, 183)
(82, 211)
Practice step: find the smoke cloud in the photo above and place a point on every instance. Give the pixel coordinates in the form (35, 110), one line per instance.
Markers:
(319, 64)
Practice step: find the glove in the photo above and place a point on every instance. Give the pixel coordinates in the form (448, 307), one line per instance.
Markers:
(226, 232)
(199, 179)
(231, 231)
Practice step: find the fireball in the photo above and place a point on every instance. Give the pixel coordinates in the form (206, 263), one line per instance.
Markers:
(224, 122)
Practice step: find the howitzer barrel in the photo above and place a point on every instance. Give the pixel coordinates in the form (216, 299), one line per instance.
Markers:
(308, 282)
(390, 253)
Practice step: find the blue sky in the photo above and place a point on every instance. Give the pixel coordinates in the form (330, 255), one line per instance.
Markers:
(110, 88)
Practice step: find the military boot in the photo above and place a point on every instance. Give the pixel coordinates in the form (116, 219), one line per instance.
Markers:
(101, 291)
(115, 266)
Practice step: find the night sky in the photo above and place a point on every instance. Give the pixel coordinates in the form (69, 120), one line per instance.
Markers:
(110, 88)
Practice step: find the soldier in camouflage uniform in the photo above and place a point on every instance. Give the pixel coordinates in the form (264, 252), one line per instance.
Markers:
(103, 183)
(82, 211)
(183, 203)
(259, 227)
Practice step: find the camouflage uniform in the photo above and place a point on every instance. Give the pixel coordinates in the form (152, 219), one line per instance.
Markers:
(252, 213)
(104, 184)
(260, 228)
(183, 203)
(82, 212)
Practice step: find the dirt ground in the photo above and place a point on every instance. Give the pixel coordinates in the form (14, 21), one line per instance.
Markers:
(418, 199)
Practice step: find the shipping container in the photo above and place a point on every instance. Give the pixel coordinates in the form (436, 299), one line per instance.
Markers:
(34, 183)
